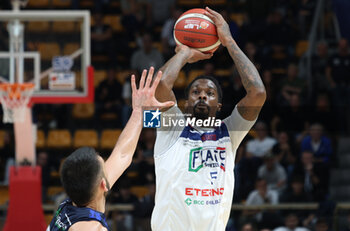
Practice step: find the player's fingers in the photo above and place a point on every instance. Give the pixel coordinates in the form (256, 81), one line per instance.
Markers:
(213, 12)
(149, 77)
(211, 16)
(156, 81)
(166, 104)
(142, 80)
(133, 83)
(207, 56)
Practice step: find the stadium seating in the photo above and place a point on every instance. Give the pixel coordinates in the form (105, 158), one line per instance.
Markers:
(108, 138)
(48, 50)
(40, 139)
(59, 138)
(70, 48)
(139, 191)
(61, 3)
(38, 27)
(85, 138)
(2, 138)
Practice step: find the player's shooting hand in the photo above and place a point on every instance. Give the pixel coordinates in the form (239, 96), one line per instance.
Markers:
(192, 55)
(144, 95)
(222, 27)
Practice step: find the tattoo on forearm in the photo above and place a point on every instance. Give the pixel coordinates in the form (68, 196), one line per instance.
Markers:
(249, 75)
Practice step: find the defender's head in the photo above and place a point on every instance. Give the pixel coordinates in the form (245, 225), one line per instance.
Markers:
(203, 97)
(83, 176)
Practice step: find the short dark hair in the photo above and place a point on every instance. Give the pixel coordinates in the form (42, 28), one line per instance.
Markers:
(79, 175)
(218, 87)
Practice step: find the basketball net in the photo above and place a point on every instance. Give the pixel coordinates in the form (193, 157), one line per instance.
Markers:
(14, 99)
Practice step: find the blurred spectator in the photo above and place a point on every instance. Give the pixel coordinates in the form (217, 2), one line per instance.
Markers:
(285, 152)
(251, 51)
(291, 85)
(122, 195)
(322, 113)
(347, 225)
(291, 224)
(338, 72)
(319, 64)
(262, 144)
(160, 10)
(101, 37)
(143, 209)
(291, 118)
(315, 176)
(318, 143)
(108, 96)
(273, 173)
(278, 31)
(147, 56)
(168, 42)
(322, 225)
(262, 195)
(234, 29)
(134, 16)
(248, 227)
(305, 15)
(7, 156)
(43, 162)
(296, 194)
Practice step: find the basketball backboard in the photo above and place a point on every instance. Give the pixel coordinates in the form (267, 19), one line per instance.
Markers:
(50, 49)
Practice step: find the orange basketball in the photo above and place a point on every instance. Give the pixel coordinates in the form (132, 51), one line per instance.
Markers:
(196, 30)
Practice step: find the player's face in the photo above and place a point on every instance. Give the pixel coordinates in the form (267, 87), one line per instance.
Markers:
(203, 101)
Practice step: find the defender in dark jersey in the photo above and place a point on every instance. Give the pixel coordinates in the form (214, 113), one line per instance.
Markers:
(86, 178)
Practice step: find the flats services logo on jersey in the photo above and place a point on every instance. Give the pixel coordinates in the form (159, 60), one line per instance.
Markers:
(211, 157)
(151, 118)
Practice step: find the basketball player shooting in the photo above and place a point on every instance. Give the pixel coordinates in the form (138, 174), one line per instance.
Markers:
(86, 178)
(194, 164)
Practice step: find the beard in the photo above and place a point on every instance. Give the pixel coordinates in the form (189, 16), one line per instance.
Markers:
(201, 110)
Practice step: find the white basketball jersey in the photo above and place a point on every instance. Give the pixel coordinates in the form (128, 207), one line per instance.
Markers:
(194, 174)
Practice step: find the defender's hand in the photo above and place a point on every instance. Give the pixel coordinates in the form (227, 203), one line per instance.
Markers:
(221, 26)
(191, 54)
(144, 96)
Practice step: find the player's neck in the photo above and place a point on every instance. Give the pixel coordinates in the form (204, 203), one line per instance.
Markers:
(98, 204)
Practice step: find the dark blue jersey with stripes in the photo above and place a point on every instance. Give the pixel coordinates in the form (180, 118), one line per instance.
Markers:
(67, 214)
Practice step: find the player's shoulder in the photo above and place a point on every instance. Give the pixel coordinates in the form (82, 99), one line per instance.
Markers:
(88, 226)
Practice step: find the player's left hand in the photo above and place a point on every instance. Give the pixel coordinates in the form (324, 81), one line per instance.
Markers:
(222, 27)
(144, 95)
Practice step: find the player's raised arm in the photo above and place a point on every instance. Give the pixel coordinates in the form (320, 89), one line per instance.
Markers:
(250, 106)
(123, 151)
(171, 70)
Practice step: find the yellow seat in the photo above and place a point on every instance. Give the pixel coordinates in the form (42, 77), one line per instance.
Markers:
(123, 75)
(180, 82)
(61, 3)
(38, 26)
(4, 194)
(54, 190)
(70, 48)
(59, 138)
(215, 2)
(193, 74)
(223, 72)
(64, 27)
(189, 2)
(86, 3)
(99, 76)
(48, 50)
(139, 191)
(301, 47)
(83, 110)
(109, 138)
(85, 138)
(38, 3)
(114, 21)
(238, 18)
(2, 138)
(40, 139)
(48, 218)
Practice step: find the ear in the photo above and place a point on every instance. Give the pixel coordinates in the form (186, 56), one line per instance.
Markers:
(186, 103)
(103, 185)
(219, 106)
